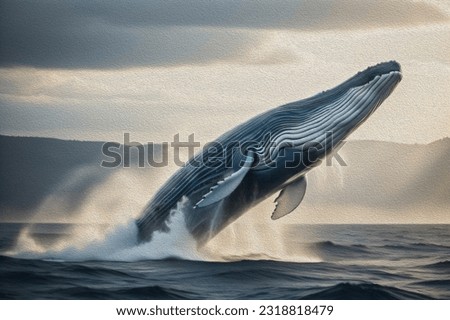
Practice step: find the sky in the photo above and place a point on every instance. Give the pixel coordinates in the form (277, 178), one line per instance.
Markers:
(92, 70)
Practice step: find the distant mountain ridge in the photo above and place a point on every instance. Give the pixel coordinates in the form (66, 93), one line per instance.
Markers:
(30, 167)
(387, 174)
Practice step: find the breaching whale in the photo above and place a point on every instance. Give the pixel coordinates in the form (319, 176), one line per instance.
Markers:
(269, 153)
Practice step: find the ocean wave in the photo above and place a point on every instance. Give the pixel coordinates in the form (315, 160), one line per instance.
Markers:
(144, 292)
(337, 245)
(154, 292)
(330, 246)
(440, 265)
(93, 272)
(434, 283)
(363, 291)
(415, 246)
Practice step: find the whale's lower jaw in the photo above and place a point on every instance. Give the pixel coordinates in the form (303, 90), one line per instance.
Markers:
(218, 195)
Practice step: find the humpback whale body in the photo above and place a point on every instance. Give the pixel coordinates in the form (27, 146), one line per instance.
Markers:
(269, 153)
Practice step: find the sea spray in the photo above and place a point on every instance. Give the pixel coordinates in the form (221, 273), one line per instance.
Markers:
(256, 237)
(121, 245)
(102, 226)
(113, 201)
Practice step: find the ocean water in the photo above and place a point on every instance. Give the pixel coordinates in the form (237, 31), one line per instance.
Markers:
(317, 262)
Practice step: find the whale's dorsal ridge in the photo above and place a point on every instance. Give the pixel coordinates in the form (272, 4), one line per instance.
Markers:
(289, 198)
(226, 186)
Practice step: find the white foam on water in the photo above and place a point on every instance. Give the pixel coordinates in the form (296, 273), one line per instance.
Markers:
(118, 245)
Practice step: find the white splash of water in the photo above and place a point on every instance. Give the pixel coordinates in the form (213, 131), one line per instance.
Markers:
(120, 244)
(102, 227)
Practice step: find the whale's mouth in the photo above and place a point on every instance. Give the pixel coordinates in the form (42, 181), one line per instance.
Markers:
(390, 72)
(391, 68)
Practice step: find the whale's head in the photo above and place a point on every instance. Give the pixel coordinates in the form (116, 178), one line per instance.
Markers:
(353, 101)
(329, 117)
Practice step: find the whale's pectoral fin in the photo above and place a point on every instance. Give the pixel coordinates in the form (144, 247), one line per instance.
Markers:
(226, 186)
(289, 198)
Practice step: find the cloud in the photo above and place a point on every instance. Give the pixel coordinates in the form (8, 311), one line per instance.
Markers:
(267, 14)
(112, 34)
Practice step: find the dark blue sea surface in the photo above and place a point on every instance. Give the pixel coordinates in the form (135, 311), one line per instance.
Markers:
(356, 262)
